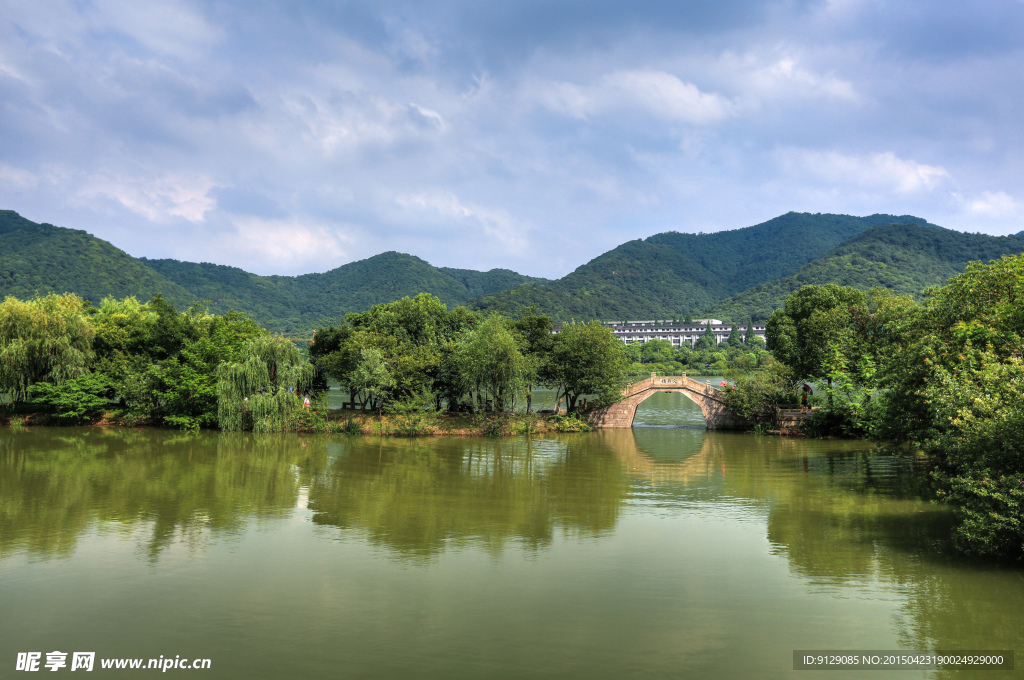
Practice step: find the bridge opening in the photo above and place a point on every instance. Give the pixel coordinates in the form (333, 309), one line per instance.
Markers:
(669, 409)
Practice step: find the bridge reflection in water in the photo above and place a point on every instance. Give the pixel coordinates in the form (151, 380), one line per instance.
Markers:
(642, 551)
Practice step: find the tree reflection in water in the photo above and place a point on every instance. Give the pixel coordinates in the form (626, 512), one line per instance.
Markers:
(56, 483)
(848, 519)
(848, 522)
(421, 497)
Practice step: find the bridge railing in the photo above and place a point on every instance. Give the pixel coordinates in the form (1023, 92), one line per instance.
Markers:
(672, 381)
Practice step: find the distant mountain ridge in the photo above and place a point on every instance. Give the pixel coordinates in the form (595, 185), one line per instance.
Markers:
(307, 300)
(42, 258)
(672, 274)
(733, 275)
(905, 258)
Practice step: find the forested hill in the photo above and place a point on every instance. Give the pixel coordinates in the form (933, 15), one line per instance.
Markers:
(41, 258)
(906, 258)
(303, 302)
(731, 274)
(674, 274)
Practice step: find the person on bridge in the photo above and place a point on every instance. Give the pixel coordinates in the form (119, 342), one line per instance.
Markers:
(806, 391)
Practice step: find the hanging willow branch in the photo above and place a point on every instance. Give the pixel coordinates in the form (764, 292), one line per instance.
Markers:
(253, 394)
(44, 339)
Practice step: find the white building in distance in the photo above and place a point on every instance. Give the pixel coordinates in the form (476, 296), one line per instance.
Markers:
(677, 332)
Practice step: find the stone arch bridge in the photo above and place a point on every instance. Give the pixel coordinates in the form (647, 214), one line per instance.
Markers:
(702, 393)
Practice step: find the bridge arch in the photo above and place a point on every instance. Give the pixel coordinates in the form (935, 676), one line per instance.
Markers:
(621, 414)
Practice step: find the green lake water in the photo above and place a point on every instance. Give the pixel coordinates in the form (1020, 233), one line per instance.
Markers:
(665, 551)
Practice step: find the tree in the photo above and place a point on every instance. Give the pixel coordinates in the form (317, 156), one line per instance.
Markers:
(259, 391)
(73, 400)
(813, 322)
(707, 342)
(952, 383)
(587, 359)
(734, 338)
(656, 350)
(43, 339)
(760, 396)
(491, 359)
(373, 377)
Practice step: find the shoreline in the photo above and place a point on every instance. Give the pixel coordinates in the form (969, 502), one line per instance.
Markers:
(356, 422)
(370, 423)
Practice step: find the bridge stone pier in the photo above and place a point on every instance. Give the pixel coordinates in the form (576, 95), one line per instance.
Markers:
(702, 393)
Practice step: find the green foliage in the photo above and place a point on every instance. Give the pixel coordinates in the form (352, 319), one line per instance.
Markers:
(735, 338)
(760, 396)
(904, 258)
(373, 378)
(660, 275)
(655, 350)
(569, 423)
(707, 342)
(43, 339)
(491, 360)
(38, 259)
(260, 391)
(587, 359)
(814, 324)
(947, 375)
(75, 400)
(294, 304)
(956, 387)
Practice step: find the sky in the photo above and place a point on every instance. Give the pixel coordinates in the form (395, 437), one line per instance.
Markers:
(294, 137)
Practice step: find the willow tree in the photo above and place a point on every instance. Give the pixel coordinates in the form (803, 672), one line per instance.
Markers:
(491, 358)
(261, 392)
(45, 339)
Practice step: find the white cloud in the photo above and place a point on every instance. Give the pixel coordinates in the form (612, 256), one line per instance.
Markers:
(497, 224)
(881, 172)
(282, 244)
(786, 77)
(167, 27)
(20, 179)
(657, 93)
(993, 204)
(158, 198)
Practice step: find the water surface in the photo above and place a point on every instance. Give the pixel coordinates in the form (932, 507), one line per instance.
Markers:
(656, 552)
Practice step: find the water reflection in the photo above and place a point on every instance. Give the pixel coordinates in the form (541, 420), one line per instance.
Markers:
(655, 542)
(56, 483)
(420, 497)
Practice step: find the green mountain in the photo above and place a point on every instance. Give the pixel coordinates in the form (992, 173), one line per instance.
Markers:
(42, 258)
(734, 275)
(299, 303)
(673, 274)
(906, 258)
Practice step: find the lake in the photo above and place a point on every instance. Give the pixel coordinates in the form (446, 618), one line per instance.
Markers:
(665, 551)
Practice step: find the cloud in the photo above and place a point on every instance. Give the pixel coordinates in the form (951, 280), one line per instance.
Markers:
(157, 198)
(169, 27)
(993, 204)
(786, 77)
(880, 172)
(18, 178)
(532, 135)
(282, 245)
(655, 93)
(497, 225)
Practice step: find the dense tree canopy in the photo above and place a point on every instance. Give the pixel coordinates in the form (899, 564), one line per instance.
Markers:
(45, 339)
